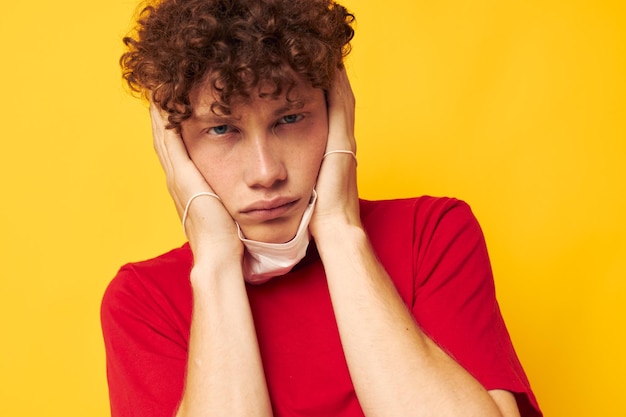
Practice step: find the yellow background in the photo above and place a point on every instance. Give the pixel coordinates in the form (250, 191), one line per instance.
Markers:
(517, 107)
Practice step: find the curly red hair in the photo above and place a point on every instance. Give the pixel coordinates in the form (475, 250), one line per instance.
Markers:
(233, 45)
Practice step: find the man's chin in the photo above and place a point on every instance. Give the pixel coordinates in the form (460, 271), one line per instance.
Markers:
(276, 231)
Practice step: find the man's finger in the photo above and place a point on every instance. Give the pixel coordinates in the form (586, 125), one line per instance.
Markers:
(158, 136)
(341, 114)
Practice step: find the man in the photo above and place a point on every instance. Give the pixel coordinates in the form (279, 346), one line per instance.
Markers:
(292, 297)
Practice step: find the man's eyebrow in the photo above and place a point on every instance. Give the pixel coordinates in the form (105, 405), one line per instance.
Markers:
(292, 105)
(210, 116)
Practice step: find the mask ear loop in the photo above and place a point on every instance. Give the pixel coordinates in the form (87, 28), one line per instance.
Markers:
(356, 162)
(193, 197)
(342, 151)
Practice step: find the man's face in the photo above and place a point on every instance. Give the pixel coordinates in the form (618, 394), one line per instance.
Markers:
(263, 159)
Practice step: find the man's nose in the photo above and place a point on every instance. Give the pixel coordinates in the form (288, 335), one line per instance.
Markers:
(265, 164)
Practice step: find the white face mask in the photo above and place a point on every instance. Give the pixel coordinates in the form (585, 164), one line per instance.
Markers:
(263, 261)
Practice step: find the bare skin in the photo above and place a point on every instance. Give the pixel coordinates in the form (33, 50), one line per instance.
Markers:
(225, 371)
(223, 345)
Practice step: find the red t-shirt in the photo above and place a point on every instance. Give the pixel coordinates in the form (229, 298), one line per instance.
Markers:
(432, 248)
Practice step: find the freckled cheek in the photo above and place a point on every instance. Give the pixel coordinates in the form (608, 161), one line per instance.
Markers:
(211, 168)
(320, 145)
(219, 176)
(313, 157)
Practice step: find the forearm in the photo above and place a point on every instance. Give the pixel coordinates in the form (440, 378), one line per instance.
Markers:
(224, 372)
(396, 369)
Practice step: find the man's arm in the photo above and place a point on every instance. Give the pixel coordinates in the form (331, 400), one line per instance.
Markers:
(505, 401)
(224, 369)
(397, 370)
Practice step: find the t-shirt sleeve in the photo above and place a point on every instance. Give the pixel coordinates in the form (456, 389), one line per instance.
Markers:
(146, 354)
(455, 302)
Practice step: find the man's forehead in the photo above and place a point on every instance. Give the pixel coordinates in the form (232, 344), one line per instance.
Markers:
(207, 103)
(206, 110)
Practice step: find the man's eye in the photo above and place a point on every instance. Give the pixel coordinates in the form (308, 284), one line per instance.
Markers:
(219, 130)
(291, 118)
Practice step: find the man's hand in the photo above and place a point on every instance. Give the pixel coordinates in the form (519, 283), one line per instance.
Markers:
(336, 184)
(207, 222)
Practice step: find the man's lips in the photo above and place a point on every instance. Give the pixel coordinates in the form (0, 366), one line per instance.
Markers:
(269, 209)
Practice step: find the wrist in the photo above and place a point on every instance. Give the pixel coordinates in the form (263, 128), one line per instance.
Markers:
(328, 223)
(214, 244)
(214, 266)
(337, 237)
